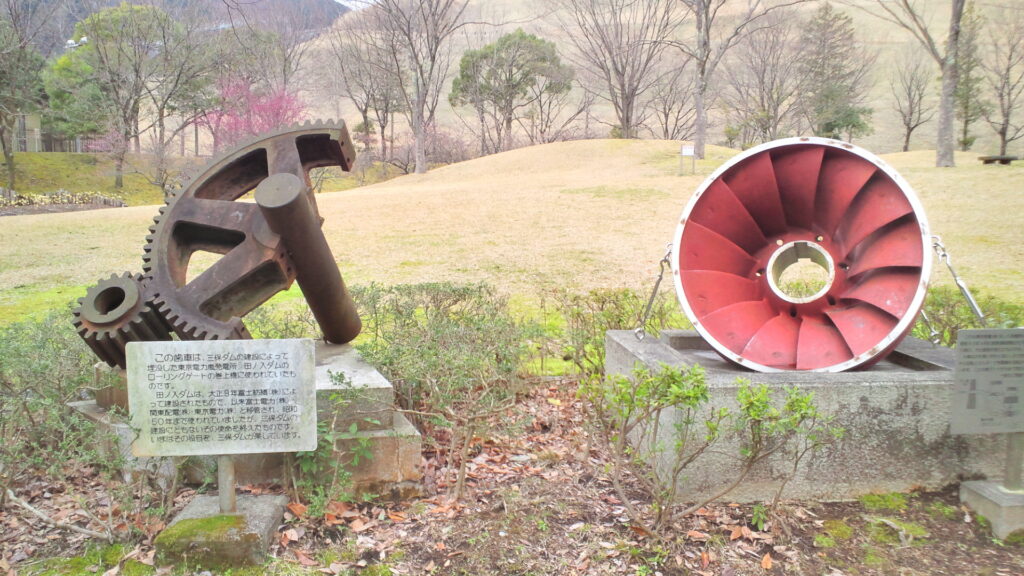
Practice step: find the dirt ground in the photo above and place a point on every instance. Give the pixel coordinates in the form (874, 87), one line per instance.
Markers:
(540, 502)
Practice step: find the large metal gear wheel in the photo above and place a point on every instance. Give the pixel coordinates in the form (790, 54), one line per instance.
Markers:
(209, 215)
(115, 312)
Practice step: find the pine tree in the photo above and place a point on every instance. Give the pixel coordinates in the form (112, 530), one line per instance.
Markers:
(836, 76)
(968, 97)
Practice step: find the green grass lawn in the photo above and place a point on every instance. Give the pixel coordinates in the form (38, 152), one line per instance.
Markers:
(578, 215)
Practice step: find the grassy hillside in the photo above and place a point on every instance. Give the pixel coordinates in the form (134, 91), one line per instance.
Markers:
(43, 172)
(578, 214)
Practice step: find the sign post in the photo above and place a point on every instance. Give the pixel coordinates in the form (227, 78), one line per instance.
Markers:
(988, 393)
(687, 149)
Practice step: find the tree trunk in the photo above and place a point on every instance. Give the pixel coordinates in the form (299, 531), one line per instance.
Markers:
(946, 141)
(700, 121)
(8, 150)
(1002, 141)
(906, 142)
(946, 144)
(119, 168)
(419, 131)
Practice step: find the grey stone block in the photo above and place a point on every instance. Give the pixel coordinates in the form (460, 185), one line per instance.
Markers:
(393, 463)
(895, 416)
(351, 391)
(201, 537)
(1003, 509)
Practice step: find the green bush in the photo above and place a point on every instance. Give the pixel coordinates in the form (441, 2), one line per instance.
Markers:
(452, 352)
(948, 313)
(43, 365)
(588, 316)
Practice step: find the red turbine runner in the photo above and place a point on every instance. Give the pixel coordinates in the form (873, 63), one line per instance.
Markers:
(803, 254)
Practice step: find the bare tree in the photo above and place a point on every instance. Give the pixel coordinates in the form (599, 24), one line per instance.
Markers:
(763, 82)
(1005, 74)
(415, 37)
(21, 23)
(619, 43)
(909, 87)
(909, 16)
(716, 33)
(669, 108)
(179, 90)
(552, 114)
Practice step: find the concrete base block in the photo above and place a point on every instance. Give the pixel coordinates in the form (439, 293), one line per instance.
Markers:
(384, 462)
(895, 416)
(1003, 509)
(201, 537)
(383, 455)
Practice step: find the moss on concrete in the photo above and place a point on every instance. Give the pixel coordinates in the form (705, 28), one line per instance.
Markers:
(215, 542)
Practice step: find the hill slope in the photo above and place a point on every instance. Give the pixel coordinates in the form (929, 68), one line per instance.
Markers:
(577, 214)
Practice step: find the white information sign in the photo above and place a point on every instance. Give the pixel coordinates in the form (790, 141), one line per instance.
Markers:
(222, 397)
(988, 382)
(686, 150)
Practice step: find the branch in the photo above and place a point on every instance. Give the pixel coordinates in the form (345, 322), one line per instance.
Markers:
(109, 537)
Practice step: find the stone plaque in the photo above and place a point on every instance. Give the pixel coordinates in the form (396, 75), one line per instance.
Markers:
(988, 382)
(222, 397)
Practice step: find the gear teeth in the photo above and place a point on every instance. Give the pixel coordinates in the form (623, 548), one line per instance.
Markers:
(113, 313)
(184, 318)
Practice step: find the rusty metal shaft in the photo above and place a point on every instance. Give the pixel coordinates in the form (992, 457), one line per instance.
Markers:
(287, 206)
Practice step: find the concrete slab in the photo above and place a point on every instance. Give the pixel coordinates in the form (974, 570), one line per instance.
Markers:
(895, 416)
(1002, 508)
(200, 536)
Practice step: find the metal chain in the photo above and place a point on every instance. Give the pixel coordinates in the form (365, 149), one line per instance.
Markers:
(640, 332)
(940, 250)
(933, 335)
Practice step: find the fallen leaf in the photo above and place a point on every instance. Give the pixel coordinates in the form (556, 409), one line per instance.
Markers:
(736, 533)
(297, 508)
(440, 546)
(554, 401)
(303, 559)
(766, 562)
(640, 531)
(397, 517)
(430, 567)
(697, 535)
(704, 559)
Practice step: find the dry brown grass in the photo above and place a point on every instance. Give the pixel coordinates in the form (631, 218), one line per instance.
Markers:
(580, 214)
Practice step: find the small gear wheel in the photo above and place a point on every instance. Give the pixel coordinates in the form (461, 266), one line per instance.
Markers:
(113, 313)
(252, 262)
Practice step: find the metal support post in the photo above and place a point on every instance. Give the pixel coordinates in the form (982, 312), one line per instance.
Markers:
(1014, 462)
(226, 484)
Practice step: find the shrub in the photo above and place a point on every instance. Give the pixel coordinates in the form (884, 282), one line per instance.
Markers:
(948, 313)
(588, 316)
(452, 353)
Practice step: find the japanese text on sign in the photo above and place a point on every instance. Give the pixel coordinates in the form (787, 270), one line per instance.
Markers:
(222, 397)
(988, 382)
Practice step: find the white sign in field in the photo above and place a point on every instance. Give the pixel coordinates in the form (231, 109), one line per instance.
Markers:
(222, 397)
(988, 387)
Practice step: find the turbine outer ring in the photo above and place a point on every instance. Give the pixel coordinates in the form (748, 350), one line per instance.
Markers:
(904, 324)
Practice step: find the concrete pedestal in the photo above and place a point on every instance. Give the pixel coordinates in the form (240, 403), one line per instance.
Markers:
(1003, 509)
(351, 395)
(895, 416)
(201, 537)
